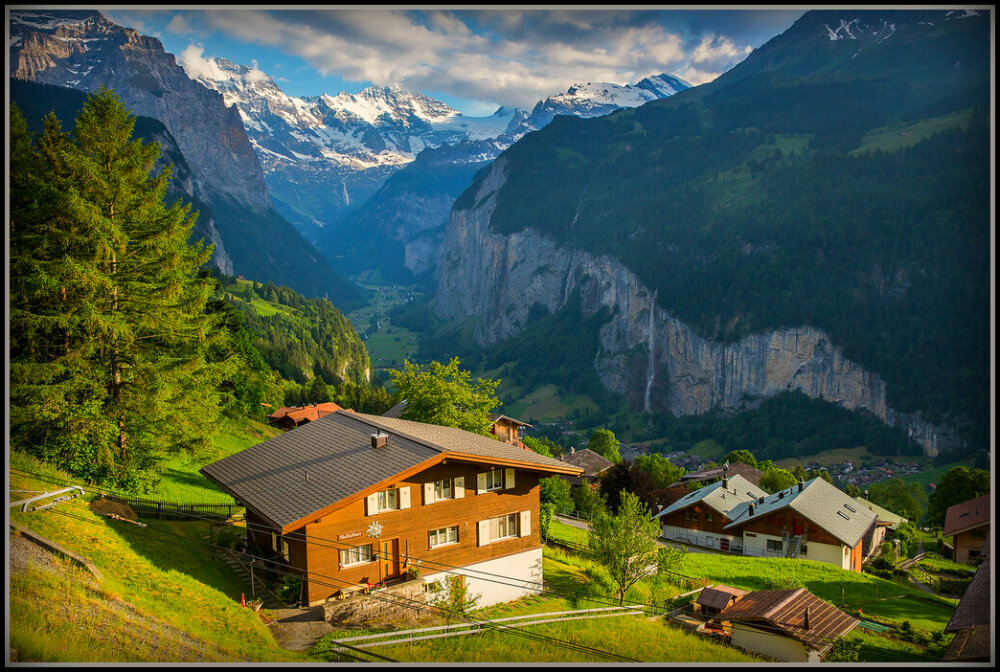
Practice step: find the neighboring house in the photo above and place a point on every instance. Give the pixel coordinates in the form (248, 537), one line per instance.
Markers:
(508, 429)
(352, 499)
(701, 517)
(715, 599)
(813, 520)
(291, 417)
(968, 524)
(971, 620)
(503, 427)
(593, 465)
(885, 520)
(787, 625)
(727, 470)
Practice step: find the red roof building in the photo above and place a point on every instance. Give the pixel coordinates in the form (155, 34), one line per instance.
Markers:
(291, 417)
(969, 524)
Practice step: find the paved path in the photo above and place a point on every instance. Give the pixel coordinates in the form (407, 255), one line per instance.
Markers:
(299, 629)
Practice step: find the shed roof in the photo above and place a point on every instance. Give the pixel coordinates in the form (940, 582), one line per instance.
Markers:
(718, 597)
(293, 476)
(819, 502)
(785, 610)
(309, 412)
(726, 500)
(967, 515)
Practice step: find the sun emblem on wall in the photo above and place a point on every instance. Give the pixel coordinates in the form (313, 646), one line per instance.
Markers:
(375, 529)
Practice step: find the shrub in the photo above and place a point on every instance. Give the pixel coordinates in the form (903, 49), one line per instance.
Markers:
(782, 582)
(456, 600)
(291, 589)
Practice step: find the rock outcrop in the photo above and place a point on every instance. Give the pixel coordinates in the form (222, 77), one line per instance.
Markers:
(494, 280)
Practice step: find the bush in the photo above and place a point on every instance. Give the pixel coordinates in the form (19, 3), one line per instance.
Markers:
(291, 589)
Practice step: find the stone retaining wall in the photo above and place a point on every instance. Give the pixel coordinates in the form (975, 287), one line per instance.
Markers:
(402, 600)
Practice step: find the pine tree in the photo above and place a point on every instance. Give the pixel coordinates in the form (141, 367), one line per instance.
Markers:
(107, 267)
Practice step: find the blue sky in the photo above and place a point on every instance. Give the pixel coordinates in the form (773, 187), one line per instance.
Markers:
(473, 59)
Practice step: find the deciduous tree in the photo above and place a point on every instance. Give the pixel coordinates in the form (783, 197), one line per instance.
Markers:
(444, 394)
(625, 543)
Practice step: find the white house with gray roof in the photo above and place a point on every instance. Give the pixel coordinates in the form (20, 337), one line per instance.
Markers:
(700, 517)
(813, 520)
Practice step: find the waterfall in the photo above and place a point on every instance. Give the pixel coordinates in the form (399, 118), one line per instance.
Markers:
(347, 199)
(651, 371)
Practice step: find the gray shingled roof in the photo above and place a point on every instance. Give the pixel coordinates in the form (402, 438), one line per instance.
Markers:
(728, 501)
(591, 463)
(335, 452)
(821, 503)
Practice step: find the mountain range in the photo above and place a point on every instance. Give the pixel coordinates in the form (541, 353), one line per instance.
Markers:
(82, 50)
(815, 219)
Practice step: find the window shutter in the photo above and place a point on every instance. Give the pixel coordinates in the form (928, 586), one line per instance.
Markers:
(428, 493)
(459, 488)
(508, 479)
(371, 504)
(484, 533)
(480, 483)
(525, 523)
(404, 497)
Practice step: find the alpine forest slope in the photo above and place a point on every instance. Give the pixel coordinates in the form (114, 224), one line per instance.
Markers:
(82, 50)
(789, 226)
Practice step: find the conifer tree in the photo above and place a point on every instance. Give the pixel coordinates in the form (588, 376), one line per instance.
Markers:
(107, 268)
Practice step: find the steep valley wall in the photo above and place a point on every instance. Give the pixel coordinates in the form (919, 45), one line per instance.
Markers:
(496, 279)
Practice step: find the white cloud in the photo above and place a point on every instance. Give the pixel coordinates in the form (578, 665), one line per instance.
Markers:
(197, 67)
(512, 57)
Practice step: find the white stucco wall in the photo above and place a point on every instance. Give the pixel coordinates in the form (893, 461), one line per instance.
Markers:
(501, 579)
(834, 555)
(697, 537)
(774, 646)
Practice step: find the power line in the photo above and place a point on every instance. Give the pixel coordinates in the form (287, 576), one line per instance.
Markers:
(281, 569)
(405, 601)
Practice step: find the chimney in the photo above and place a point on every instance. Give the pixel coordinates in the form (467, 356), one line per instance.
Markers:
(379, 439)
(760, 501)
(751, 508)
(572, 450)
(806, 623)
(725, 483)
(801, 485)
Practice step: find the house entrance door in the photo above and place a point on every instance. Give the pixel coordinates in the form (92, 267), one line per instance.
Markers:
(389, 558)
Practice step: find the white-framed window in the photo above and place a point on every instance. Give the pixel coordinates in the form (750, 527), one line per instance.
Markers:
(443, 489)
(355, 555)
(494, 479)
(503, 527)
(691, 514)
(387, 500)
(447, 488)
(443, 536)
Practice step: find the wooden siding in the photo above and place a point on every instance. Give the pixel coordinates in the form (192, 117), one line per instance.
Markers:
(780, 522)
(348, 526)
(715, 526)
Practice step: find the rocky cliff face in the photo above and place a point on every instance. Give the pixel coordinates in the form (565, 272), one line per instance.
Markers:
(645, 354)
(92, 52)
(82, 50)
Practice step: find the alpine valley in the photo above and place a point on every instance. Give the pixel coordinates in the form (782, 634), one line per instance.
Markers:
(816, 219)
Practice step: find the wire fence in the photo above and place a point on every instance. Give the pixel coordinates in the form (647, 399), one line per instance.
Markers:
(153, 508)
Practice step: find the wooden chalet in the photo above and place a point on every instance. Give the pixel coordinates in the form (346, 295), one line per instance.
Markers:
(786, 625)
(813, 520)
(352, 499)
(593, 465)
(290, 417)
(701, 517)
(968, 523)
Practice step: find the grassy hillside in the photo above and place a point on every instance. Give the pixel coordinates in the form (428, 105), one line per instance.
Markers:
(163, 597)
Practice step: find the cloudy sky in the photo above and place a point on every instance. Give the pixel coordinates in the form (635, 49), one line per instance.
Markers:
(472, 59)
